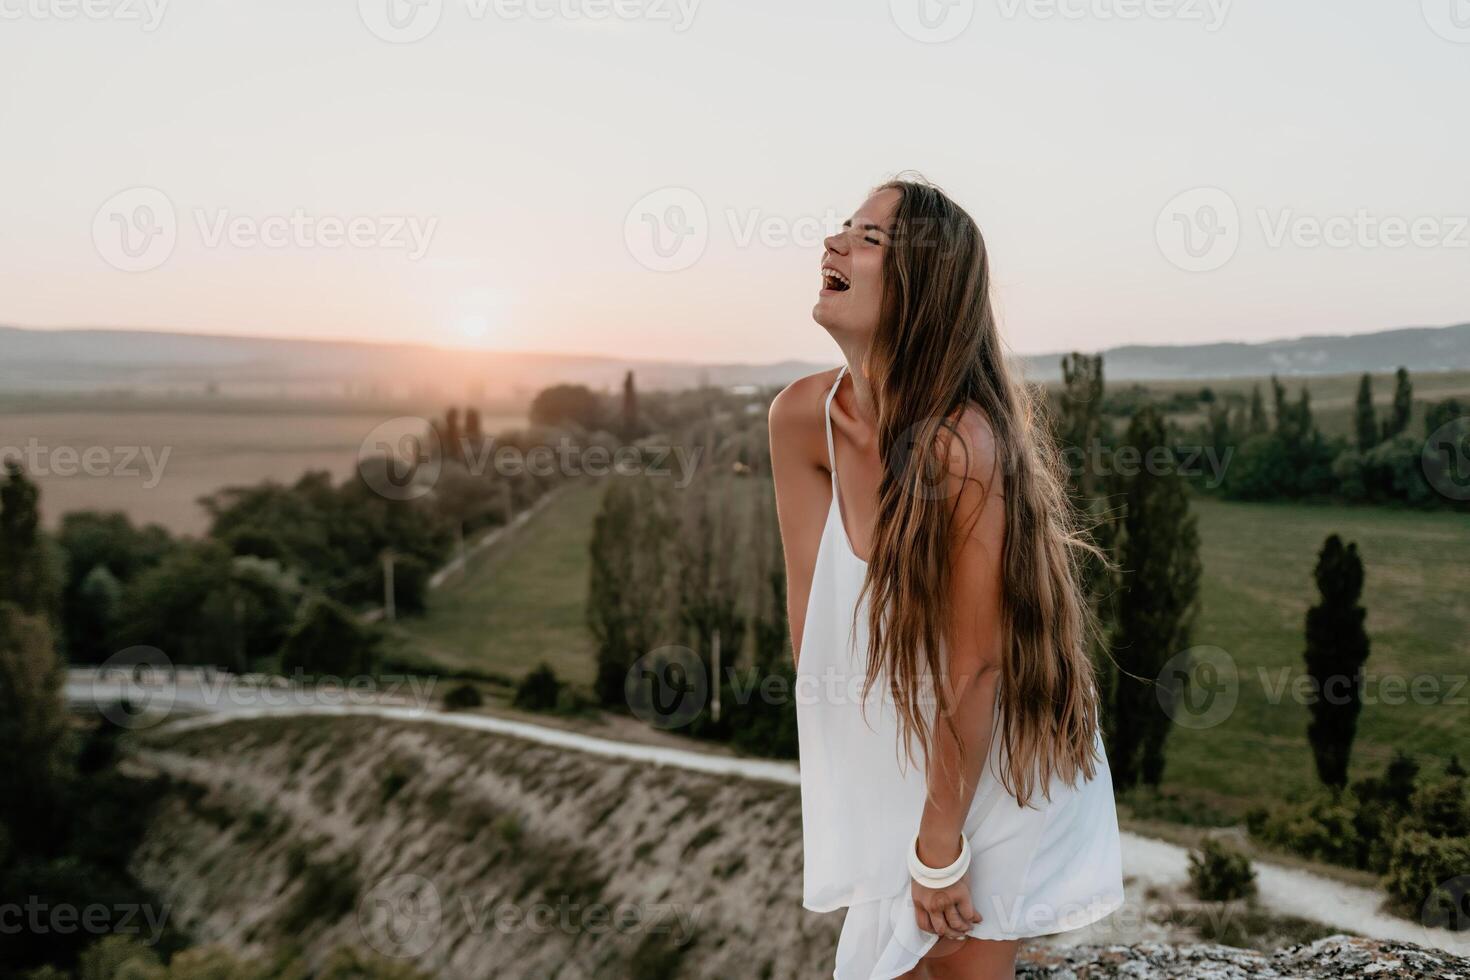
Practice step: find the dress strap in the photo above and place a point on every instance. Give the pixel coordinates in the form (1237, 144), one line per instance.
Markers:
(827, 417)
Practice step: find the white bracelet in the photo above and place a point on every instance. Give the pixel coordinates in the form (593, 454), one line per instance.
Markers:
(937, 878)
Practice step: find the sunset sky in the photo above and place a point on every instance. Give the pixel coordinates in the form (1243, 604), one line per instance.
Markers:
(502, 178)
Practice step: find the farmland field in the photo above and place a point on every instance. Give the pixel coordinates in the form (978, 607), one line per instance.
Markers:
(156, 461)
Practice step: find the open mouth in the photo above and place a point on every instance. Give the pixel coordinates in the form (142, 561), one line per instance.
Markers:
(835, 281)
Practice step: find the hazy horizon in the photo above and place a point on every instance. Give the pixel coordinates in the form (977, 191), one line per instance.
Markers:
(692, 358)
(529, 177)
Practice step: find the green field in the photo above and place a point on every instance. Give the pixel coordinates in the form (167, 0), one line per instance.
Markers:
(1258, 561)
(520, 602)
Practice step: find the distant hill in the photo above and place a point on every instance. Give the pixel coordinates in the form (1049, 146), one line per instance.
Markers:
(87, 360)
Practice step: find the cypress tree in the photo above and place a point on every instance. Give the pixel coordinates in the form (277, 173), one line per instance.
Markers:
(1403, 405)
(1258, 411)
(1156, 604)
(1366, 418)
(25, 578)
(1336, 648)
(630, 409)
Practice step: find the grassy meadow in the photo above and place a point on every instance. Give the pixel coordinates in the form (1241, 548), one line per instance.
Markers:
(1257, 587)
(519, 602)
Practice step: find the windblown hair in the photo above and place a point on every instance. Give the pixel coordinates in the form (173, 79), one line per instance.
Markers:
(937, 351)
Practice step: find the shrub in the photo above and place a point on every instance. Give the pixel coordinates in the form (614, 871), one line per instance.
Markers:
(1321, 828)
(1422, 871)
(462, 697)
(1439, 809)
(1220, 873)
(538, 690)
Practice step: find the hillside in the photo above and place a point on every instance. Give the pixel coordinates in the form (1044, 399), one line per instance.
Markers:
(87, 360)
(474, 855)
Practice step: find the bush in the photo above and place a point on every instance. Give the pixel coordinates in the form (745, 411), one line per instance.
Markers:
(538, 690)
(462, 697)
(1321, 828)
(1422, 872)
(1220, 873)
(329, 640)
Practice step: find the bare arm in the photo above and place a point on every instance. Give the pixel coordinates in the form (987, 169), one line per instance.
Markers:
(803, 487)
(973, 641)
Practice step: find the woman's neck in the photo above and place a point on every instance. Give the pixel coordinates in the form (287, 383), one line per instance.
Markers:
(865, 404)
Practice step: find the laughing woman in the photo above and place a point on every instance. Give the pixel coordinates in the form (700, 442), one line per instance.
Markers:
(955, 795)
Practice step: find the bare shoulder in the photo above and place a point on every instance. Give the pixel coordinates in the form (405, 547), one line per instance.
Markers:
(972, 451)
(796, 412)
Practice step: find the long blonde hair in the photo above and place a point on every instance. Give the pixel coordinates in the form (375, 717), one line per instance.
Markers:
(937, 350)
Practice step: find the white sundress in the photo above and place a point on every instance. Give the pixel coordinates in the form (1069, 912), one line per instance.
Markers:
(1051, 867)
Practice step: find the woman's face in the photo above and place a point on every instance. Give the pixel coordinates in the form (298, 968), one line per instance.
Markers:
(852, 268)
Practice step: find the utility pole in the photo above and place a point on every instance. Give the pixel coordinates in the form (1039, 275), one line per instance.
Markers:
(715, 681)
(388, 611)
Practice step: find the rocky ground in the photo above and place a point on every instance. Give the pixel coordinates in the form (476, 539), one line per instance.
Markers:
(1334, 957)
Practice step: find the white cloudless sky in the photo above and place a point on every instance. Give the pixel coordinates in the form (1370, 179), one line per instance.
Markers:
(1065, 126)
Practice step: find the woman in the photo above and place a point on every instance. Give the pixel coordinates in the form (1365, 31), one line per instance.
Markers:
(952, 818)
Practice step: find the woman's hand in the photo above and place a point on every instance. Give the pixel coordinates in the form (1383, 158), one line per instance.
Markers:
(946, 912)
